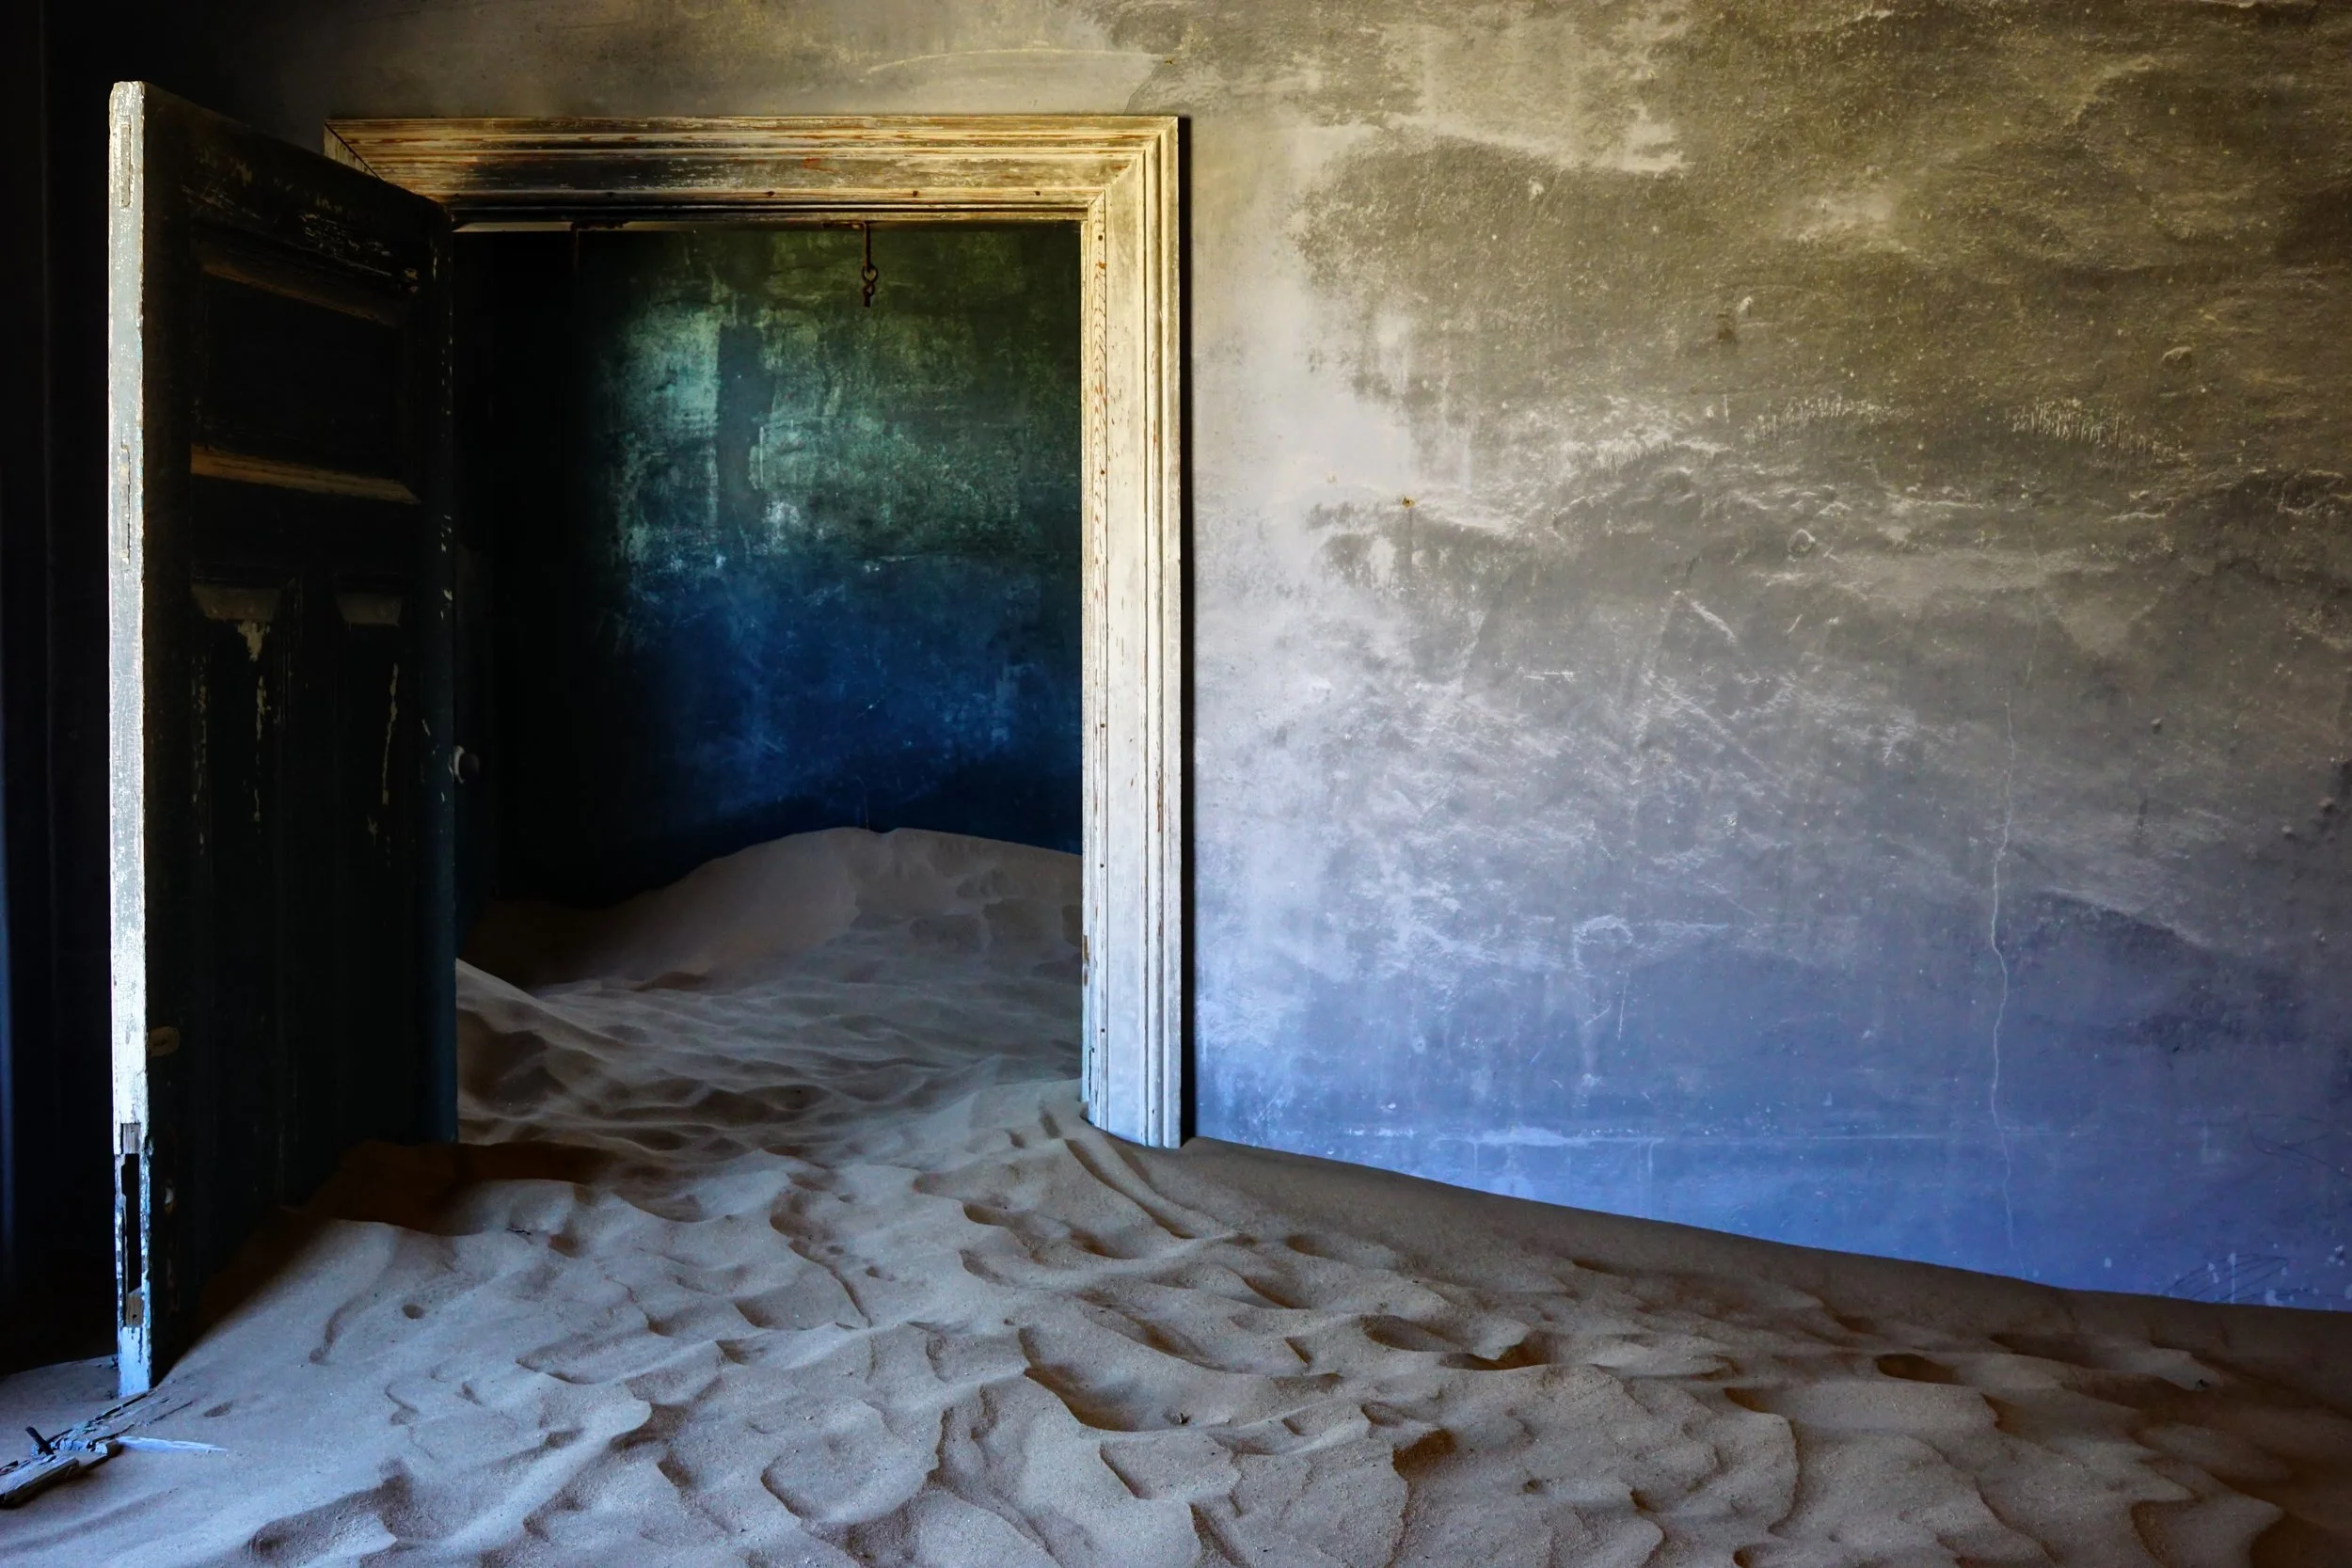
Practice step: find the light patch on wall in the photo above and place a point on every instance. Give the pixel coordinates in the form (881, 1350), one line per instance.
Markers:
(668, 366)
(1264, 320)
(665, 369)
(1547, 85)
(1858, 214)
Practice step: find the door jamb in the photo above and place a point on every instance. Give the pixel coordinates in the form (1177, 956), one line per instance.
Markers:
(1116, 176)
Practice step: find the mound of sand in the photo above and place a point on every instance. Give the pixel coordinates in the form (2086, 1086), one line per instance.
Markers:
(779, 1238)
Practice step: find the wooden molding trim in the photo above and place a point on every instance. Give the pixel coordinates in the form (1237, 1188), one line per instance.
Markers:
(1118, 178)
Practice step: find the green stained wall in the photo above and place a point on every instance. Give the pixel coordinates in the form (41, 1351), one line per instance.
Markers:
(768, 559)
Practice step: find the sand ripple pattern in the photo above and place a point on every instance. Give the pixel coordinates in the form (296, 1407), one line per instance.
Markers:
(786, 1242)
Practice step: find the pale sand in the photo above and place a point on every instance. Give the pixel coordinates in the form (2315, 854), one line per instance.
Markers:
(828, 1269)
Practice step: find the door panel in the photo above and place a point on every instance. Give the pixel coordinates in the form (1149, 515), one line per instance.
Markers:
(372, 762)
(279, 668)
(289, 378)
(231, 1094)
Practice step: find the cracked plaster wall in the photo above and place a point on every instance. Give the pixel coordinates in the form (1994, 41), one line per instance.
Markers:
(1770, 639)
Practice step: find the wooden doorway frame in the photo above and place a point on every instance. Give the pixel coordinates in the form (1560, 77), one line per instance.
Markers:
(1117, 178)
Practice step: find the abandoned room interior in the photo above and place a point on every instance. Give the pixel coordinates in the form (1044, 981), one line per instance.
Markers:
(1166, 782)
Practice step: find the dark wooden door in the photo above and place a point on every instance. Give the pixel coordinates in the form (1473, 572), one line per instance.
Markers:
(278, 653)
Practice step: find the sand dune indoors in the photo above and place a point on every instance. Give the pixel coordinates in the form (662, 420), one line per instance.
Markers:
(779, 1238)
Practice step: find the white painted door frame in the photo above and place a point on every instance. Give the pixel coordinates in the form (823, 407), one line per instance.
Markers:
(1116, 176)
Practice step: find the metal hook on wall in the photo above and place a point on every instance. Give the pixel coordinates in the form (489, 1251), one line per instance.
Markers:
(866, 275)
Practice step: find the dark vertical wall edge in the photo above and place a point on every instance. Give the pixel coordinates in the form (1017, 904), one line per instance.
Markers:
(56, 65)
(24, 518)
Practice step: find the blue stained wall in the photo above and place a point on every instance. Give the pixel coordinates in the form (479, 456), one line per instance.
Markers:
(768, 560)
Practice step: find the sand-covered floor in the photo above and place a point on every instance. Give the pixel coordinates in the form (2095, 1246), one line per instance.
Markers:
(780, 1237)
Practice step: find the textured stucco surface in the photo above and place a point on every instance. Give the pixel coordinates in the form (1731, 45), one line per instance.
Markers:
(1770, 639)
(767, 559)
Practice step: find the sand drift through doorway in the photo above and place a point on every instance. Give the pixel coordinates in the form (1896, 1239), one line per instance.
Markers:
(1118, 178)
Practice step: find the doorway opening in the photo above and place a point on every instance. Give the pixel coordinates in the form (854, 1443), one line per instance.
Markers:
(1117, 180)
(744, 553)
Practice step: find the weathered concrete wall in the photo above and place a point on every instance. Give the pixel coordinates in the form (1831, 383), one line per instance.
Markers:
(767, 559)
(1772, 637)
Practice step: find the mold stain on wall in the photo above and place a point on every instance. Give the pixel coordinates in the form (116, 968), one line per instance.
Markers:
(1769, 640)
(771, 560)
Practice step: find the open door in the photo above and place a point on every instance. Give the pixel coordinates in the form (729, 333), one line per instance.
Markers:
(279, 651)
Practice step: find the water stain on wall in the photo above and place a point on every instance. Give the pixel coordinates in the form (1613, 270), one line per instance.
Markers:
(767, 559)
